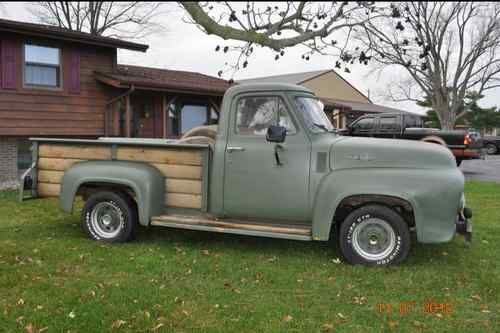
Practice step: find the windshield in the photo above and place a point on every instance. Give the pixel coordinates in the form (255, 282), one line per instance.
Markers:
(313, 114)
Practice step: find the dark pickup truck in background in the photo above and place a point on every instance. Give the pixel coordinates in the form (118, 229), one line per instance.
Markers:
(409, 127)
(492, 144)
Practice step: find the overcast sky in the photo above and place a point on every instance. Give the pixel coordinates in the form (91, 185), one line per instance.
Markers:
(181, 46)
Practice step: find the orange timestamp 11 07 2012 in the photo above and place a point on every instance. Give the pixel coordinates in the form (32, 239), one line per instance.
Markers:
(406, 307)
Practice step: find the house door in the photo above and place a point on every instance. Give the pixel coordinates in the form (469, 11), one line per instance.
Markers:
(255, 186)
(143, 119)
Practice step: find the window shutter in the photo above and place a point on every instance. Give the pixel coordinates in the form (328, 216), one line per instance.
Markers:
(74, 73)
(8, 64)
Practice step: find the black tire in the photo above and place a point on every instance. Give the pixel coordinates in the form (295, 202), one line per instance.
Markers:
(109, 217)
(491, 149)
(380, 219)
(459, 161)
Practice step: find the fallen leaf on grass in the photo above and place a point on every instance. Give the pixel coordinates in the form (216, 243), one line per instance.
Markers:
(476, 297)
(19, 319)
(43, 329)
(20, 302)
(340, 315)
(72, 315)
(118, 323)
(157, 327)
(30, 328)
(326, 327)
(287, 318)
(336, 261)
(392, 323)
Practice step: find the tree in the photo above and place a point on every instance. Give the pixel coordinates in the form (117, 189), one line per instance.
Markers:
(109, 18)
(474, 116)
(284, 25)
(446, 48)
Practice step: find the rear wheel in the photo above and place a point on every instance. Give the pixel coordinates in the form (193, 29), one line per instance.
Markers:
(491, 149)
(374, 235)
(109, 217)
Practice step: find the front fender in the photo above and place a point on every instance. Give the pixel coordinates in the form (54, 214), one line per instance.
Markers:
(434, 195)
(146, 181)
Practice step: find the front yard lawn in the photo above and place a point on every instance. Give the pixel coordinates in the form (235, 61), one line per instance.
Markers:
(53, 279)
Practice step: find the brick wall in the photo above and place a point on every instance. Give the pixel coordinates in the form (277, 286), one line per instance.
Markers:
(8, 162)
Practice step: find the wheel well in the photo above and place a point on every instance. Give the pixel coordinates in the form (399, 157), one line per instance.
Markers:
(87, 189)
(349, 204)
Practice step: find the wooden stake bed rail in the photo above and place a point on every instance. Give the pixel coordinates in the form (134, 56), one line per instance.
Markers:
(182, 166)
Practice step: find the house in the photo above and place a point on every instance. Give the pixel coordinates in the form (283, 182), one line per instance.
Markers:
(343, 102)
(60, 83)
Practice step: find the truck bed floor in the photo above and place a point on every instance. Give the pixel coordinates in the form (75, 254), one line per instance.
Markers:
(203, 223)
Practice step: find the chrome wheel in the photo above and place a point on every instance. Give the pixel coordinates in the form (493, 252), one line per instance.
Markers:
(106, 219)
(373, 239)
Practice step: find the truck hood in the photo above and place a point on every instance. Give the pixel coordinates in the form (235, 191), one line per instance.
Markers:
(356, 152)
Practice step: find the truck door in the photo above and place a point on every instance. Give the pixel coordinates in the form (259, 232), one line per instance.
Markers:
(389, 127)
(364, 127)
(255, 186)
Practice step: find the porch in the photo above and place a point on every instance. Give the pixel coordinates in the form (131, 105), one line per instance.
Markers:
(156, 103)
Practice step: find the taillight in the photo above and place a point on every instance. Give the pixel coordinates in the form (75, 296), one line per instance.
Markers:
(467, 140)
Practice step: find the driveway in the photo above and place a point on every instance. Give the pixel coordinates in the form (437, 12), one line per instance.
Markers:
(485, 170)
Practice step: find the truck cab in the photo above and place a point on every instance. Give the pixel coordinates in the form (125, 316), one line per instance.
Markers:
(275, 169)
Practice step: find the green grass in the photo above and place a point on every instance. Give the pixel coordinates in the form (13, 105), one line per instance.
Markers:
(54, 279)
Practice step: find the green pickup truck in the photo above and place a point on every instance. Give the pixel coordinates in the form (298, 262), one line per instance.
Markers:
(274, 168)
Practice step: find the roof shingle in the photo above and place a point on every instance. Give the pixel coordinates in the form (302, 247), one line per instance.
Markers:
(168, 79)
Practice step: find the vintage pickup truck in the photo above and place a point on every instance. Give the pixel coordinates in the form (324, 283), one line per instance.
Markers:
(275, 169)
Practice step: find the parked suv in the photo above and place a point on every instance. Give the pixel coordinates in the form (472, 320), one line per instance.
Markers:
(409, 127)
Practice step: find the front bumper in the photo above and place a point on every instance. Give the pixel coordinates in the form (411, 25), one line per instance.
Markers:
(464, 224)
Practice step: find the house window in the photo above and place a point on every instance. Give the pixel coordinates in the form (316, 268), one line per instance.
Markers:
(42, 66)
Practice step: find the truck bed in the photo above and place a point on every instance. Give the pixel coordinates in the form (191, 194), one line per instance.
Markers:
(185, 166)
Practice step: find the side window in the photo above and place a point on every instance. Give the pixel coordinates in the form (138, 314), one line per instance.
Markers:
(255, 114)
(387, 123)
(364, 124)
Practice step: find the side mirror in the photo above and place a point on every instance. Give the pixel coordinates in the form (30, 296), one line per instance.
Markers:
(276, 134)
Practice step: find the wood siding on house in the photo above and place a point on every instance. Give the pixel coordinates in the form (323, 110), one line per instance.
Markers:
(75, 109)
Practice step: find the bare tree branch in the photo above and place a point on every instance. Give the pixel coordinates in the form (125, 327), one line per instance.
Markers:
(110, 18)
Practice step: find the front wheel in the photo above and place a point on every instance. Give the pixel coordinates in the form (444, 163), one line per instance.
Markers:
(109, 217)
(374, 235)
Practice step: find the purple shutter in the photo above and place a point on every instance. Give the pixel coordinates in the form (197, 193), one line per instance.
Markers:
(74, 73)
(8, 64)
(1, 70)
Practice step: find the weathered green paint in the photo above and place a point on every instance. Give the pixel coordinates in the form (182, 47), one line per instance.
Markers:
(147, 183)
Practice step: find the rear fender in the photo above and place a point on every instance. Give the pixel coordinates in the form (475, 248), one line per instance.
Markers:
(147, 183)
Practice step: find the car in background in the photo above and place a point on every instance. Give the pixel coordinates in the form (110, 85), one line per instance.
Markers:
(410, 127)
(492, 144)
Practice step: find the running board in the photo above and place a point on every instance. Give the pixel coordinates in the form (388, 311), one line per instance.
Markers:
(296, 232)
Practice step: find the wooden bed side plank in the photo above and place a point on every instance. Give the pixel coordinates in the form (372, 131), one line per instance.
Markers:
(183, 186)
(56, 164)
(48, 190)
(83, 152)
(182, 200)
(179, 171)
(52, 177)
(160, 155)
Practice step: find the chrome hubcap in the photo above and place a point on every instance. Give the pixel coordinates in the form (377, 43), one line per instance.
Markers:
(373, 239)
(106, 219)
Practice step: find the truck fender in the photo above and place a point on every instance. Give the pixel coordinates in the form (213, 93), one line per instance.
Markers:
(341, 184)
(147, 183)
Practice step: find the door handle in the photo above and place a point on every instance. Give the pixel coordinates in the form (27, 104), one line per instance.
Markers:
(233, 148)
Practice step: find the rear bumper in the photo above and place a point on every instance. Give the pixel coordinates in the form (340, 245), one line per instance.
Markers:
(464, 224)
(469, 153)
